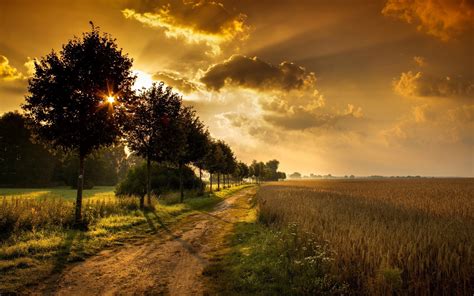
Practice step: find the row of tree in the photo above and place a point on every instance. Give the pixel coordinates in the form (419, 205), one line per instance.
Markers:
(81, 100)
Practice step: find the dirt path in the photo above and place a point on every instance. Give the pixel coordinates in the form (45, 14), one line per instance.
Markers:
(170, 263)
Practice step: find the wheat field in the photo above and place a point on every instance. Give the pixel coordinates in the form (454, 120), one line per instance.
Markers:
(400, 236)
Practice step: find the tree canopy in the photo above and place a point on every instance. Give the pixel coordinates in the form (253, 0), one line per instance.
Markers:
(77, 97)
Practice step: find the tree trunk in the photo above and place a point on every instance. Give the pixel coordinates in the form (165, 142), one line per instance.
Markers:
(210, 182)
(201, 185)
(148, 180)
(80, 186)
(223, 181)
(142, 202)
(218, 181)
(181, 187)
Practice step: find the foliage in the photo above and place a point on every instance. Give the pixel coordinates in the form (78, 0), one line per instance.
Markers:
(67, 102)
(163, 179)
(22, 162)
(152, 121)
(389, 236)
(28, 164)
(67, 93)
(266, 171)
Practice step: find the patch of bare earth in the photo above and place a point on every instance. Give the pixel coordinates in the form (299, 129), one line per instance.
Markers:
(169, 263)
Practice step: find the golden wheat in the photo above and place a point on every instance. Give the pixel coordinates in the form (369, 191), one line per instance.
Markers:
(411, 236)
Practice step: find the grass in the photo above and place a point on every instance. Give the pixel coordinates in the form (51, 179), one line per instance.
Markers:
(38, 241)
(387, 236)
(56, 192)
(262, 260)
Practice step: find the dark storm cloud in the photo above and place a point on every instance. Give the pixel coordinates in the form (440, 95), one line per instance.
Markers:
(257, 74)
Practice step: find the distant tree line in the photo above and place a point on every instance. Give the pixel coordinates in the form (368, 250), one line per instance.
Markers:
(25, 163)
(81, 101)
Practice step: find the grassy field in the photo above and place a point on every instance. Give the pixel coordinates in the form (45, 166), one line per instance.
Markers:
(37, 239)
(379, 236)
(61, 192)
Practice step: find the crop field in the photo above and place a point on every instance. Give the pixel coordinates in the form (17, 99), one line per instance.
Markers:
(402, 236)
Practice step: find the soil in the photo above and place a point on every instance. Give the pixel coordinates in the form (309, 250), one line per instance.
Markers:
(169, 262)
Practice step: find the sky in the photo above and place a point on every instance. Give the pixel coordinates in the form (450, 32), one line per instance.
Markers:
(363, 87)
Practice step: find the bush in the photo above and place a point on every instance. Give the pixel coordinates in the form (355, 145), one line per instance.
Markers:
(163, 179)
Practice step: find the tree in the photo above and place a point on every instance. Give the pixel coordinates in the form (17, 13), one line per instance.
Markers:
(200, 163)
(194, 142)
(213, 160)
(23, 163)
(163, 179)
(270, 171)
(241, 171)
(281, 175)
(152, 128)
(229, 164)
(225, 163)
(101, 167)
(245, 171)
(295, 175)
(76, 97)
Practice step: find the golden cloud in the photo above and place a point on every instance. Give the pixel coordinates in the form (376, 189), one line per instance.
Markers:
(411, 84)
(195, 21)
(30, 66)
(7, 72)
(176, 81)
(443, 19)
(257, 74)
(301, 118)
(432, 123)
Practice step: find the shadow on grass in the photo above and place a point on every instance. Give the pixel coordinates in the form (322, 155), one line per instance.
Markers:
(62, 255)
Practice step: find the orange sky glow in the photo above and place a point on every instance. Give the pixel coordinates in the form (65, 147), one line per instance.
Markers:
(358, 87)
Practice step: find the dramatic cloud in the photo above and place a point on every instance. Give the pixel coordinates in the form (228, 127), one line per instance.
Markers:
(255, 73)
(195, 21)
(443, 19)
(411, 84)
(7, 72)
(300, 118)
(30, 66)
(174, 80)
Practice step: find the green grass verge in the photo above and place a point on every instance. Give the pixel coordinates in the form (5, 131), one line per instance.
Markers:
(27, 258)
(260, 260)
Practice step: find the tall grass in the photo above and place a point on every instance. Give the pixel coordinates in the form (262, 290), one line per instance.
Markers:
(388, 236)
(19, 214)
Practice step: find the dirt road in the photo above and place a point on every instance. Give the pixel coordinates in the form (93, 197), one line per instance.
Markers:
(169, 263)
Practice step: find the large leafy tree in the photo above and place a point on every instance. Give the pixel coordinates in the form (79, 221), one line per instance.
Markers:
(153, 127)
(77, 95)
